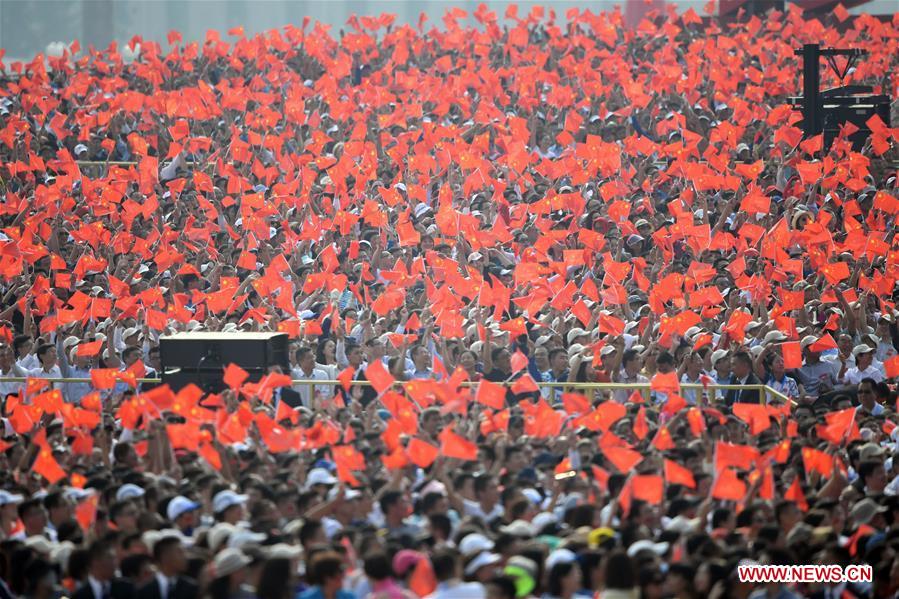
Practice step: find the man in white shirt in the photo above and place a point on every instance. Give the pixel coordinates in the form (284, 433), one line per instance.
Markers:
(46, 354)
(9, 369)
(306, 370)
(865, 366)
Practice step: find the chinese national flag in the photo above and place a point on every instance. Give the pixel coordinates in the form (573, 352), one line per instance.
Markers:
(86, 512)
(795, 494)
(622, 458)
(676, 474)
(738, 456)
(666, 383)
(792, 354)
(103, 378)
(728, 486)
(378, 376)
(641, 429)
(649, 488)
(235, 376)
(421, 454)
(891, 367)
(47, 466)
(454, 446)
(491, 394)
(90, 349)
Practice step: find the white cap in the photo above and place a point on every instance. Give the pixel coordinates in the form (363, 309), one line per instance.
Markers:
(519, 528)
(284, 551)
(227, 498)
(229, 561)
(560, 556)
(543, 519)
(129, 491)
(774, 337)
(7, 498)
(644, 545)
(575, 333)
(39, 544)
(719, 354)
(474, 543)
(474, 256)
(319, 476)
(483, 559)
(242, 536)
(179, 506)
(218, 533)
(861, 349)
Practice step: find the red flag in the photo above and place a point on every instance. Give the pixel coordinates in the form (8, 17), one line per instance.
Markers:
(728, 486)
(47, 466)
(676, 474)
(795, 494)
(454, 446)
(641, 429)
(649, 488)
(792, 354)
(235, 376)
(420, 453)
(378, 376)
(622, 458)
(491, 394)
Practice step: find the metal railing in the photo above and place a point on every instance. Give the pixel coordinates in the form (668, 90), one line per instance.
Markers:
(765, 392)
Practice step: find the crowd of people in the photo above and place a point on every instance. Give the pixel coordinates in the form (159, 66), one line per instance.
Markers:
(461, 228)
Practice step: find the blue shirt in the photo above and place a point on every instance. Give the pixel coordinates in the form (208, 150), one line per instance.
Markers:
(316, 593)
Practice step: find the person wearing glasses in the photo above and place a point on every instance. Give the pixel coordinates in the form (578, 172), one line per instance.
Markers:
(867, 399)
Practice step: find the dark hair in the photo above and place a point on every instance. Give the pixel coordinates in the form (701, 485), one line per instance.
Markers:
(665, 357)
(377, 566)
(388, 500)
(619, 571)
(866, 468)
(309, 529)
(556, 574)
(26, 506)
(54, 500)
(629, 355)
(444, 562)
(744, 357)
(20, 340)
(163, 545)
(131, 565)
(128, 351)
(506, 585)
(441, 523)
(97, 551)
(589, 560)
(43, 349)
(323, 566)
(35, 571)
(429, 501)
(274, 579)
(482, 482)
(302, 352)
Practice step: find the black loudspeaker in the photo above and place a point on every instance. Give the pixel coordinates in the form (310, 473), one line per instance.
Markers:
(201, 358)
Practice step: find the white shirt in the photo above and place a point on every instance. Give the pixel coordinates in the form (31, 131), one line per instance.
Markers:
(55, 373)
(473, 508)
(97, 587)
(29, 362)
(9, 387)
(304, 389)
(854, 376)
(164, 585)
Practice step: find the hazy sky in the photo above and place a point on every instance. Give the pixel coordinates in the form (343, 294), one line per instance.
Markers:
(28, 26)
